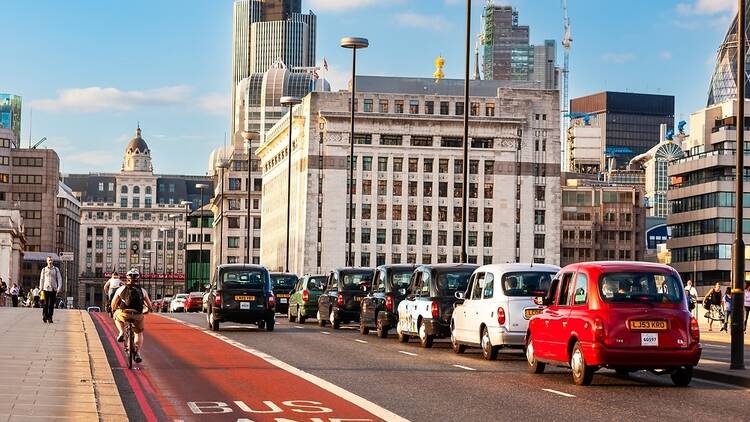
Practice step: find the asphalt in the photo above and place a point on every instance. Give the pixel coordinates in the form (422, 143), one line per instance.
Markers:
(436, 384)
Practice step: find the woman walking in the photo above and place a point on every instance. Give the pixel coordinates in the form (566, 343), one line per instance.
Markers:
(14, 292)
(747, 303)
(726, 301)
(712, 302)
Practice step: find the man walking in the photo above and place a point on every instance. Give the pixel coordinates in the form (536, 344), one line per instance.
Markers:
(14, 292)
(50, 281)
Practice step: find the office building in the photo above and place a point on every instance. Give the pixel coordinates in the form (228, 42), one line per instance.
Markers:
(10, 116)
(601, 221)
(628, 122)
(134, 218)
(409, 176)
(67, 238)
(267, 31)
(509, 56)
(723, 86)
(702, 194)
(200, 224)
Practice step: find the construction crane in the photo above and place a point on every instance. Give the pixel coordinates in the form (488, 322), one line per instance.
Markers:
(566, 42)
(39, 142)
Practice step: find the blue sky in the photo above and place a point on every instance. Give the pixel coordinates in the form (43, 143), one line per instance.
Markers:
(91, 69)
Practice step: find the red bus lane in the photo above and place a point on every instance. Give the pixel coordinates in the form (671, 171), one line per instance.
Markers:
(199, 376)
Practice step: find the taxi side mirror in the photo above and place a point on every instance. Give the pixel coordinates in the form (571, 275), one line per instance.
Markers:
(459, 295)
(402, 291)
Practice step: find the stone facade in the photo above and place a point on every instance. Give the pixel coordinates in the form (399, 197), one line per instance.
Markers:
(409, 181)
(68, 236)
(12, 243)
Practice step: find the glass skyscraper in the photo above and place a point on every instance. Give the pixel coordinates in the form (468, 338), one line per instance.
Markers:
(723, 85)
(10, 114)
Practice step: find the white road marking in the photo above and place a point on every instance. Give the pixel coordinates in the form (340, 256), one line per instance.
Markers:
(557, 392)
(325, 332)
(298, 326)
(714, 345)
(465, 367)
(407, 353)
(365, 404)
(360, 341)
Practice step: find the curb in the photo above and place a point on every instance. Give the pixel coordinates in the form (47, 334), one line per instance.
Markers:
(721, 377)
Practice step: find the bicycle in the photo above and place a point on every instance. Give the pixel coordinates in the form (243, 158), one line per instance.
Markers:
(129, 342)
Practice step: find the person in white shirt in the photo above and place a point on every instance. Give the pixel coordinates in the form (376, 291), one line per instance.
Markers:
(50, 281)
(747, 303)
(14, 292)
(692, 295)
(35, 297)
(111, 286)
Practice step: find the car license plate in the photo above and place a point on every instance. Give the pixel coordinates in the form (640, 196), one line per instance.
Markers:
(649, 339)
(282, 300)
(244, 305)
(648, 325)
(530, 312)
(282, 295)
(244, 298)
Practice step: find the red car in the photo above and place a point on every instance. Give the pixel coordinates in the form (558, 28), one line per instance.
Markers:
(194, 302)
(626, 316)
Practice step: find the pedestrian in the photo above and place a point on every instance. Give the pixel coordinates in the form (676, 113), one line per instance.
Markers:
(691, 294)
(35, 297)
(726, 301)
(712, 302)
(50, 282)
(14, 292)
(3, 290)
(110, 287)
(747, 303)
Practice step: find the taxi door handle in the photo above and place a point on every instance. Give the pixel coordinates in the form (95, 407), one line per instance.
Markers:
(565, 323)
(546, 323)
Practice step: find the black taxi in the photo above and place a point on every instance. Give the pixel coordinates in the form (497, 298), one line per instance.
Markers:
(388, 290)
(344, 290)
(241, 293)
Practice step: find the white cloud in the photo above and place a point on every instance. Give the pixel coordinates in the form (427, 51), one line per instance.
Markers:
(665, 55)
(92, 158)
(345, 5)
(337, 77)
(96, 99)
(707, 7)
(416, 20)
(617, 58)
(216, 104)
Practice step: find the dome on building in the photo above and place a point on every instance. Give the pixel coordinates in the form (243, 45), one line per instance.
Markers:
(137, 145)
(723, 85)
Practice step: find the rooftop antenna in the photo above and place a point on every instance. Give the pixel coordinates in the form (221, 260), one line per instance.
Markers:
(31, 121)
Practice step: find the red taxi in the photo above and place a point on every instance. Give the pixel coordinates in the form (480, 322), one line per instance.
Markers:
(625, 316)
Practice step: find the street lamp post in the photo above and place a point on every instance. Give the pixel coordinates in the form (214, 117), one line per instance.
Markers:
(466, 135)
(222, 164)
(174, 218)
(187, 205)
(164, 257)
(200, 186)
(353, 43)
(290, 102)
(249, 137)
(147, 252)
(738, 297)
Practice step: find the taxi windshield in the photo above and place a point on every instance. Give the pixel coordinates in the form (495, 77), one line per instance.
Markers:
(633, 287)
(242, 279)
(355, 281)
(401, 279)
(527, 283)
(283, 280)
(450, 282)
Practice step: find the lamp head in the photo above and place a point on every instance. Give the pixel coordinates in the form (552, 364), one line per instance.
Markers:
(290, 101)
(354, 42)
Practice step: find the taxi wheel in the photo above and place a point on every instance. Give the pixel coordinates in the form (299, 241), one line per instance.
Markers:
(269, 325)
(300, 317)
(489, 352)
(682, 376)
(335, 322)
(535, 367)
(457, 347)
(262, 324)
(321, 321)
(289, 315)
(582, 373)
(425, 340)
(213, 324)
(363, 329)
(402, 338)
(382, 331)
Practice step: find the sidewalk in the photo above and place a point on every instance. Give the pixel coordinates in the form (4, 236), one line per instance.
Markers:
(54, 371)
(714, 363)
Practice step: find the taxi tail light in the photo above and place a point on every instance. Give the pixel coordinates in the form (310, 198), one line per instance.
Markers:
(340, 299)
(305, 296)
(599, 329)
(271, 302)
(501, 316)
(435, 308)
(187, 302)
(695, 332)
(217, 300)
(389, 303)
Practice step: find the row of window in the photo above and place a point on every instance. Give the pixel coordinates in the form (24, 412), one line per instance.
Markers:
(234, 223)
(427, 213)
(428, 165)
(428, 106)
(396, 237)
(712, 225)
(147, 203)
(28, 161)
(233, 242)
(707, 200)
(426, 141)
(413, 189)
(365, 259)
(704, 252)
(26, 179)
(235, 184)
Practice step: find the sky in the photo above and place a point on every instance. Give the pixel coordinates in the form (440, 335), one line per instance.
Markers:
(90, 71)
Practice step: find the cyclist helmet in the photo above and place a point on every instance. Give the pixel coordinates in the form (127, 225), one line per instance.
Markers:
(133, 274)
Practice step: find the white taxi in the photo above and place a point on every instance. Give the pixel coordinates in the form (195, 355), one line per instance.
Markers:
(497, 306)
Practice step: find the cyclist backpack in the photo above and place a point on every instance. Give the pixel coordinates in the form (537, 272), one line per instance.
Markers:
(132, 298)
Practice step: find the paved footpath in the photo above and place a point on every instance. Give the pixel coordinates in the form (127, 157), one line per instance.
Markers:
(54, 372)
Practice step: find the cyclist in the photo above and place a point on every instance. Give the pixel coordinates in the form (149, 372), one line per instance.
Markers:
(110, 287)
(129, 302)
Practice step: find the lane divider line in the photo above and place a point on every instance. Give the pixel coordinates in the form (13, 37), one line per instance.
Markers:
(465, 367)
(714, 345)
(363, 403)
(407, 353)
(557, 392)
(325, 332)
(360, 341)
(299, 326)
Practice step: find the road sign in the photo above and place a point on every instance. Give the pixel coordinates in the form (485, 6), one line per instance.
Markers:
(66, 256)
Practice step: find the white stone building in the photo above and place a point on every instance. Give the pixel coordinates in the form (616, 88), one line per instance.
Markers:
(409, 181)
(12, 242)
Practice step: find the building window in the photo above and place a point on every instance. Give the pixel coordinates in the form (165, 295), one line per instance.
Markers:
(539, 193)
(101, 187)
(234, 222)
(233, 242)
(380, 239)
(472, 238)
(397, 188)
(382, 211)
(473, 190)
(458, 190)
(366, 211)
(391, 140)
(458, 166)
(458, 214)
(256, 223)
(442, 213)
(382, 187)
(413, 165)
(473, 213)
(396, 236)
(368, 105)
(147, 202)
(474, 111)
(488, 215)
(366, 187)
(396, 212)
(365, 235)
(411, 237)
(427, 213)
(413, 188)
(366, 163)
(383, 106)
(447, 142)
(363, 139)
(382, 163)
(411, 213)
(235, 183)
(428, 165)
(429, 107)
(488, 187)
(489, 109)
(427, 238)
(136, 202)
(124, 189)
(444, 108)
(234, 204)
(414, 107)
(398, 106)
(487, 240)
(442, 238)
(365, 259)
(539, 217)
(123, 202)
(427, 189)
(398, 164)
(538, 241)
(459, 108)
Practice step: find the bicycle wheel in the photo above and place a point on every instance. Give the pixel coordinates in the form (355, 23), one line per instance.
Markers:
(131, 345)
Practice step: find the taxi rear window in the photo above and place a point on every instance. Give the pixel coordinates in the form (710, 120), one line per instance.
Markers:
(450, 282)
(355, 281)
(401, 279)
(316, 283)
(284, 281)
(242, 279)
(527, 283)
(633, 287)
